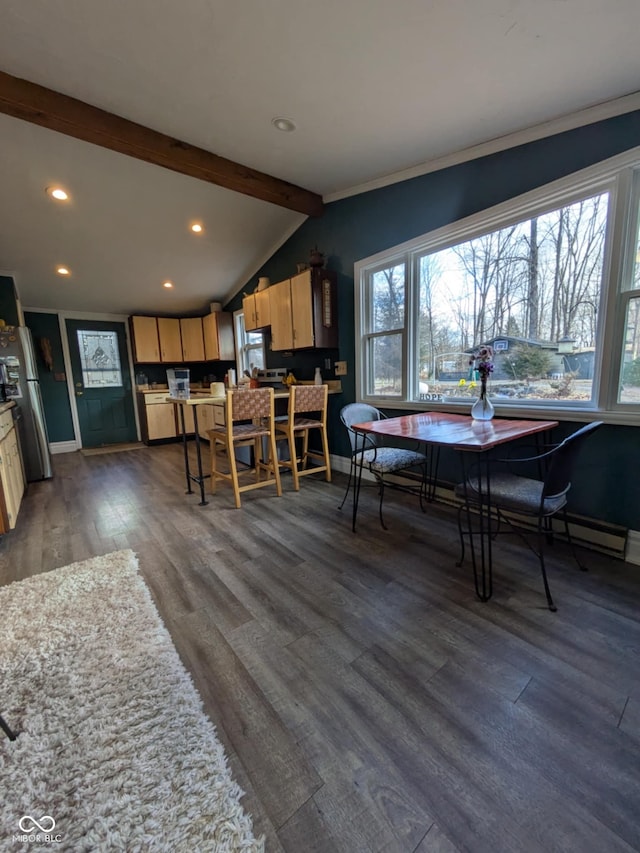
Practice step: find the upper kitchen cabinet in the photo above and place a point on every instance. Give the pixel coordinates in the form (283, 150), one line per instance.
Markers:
(170, 340)
(144, 334)
(218, 336)
(192, 339)
(280, 310)
(304, 311)
(257, 311)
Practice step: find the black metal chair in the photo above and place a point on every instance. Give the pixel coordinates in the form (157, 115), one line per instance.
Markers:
(542, 499)
(380, 460)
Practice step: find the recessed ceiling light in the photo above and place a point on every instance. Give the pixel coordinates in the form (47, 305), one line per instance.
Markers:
(58, 193)
(63, 270)
(168, 284)
(196, 227)
(284, 124)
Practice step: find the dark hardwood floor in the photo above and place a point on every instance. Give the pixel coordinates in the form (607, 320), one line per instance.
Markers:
(367, 701)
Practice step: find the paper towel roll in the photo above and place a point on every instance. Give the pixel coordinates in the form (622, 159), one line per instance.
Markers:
(216, 389)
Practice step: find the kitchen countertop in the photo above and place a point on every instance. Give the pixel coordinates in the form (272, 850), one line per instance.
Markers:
(201, 397)
(4, 407)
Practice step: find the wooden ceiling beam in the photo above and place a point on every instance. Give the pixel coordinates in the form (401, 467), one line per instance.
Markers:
(39, 105)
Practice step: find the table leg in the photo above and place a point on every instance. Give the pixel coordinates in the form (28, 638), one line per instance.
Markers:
(199, 457)
(185, 450)
(482, 567)
(357, 480)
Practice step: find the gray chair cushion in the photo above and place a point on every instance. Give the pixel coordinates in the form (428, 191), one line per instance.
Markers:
(386, 460)
(519, 494)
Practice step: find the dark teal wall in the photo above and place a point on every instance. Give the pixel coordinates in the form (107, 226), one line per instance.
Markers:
(368, 223)
(53, 384)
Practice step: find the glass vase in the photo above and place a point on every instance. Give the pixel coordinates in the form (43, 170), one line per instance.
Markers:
(482, 409)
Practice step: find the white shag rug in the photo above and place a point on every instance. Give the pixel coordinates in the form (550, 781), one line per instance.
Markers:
(113, 744)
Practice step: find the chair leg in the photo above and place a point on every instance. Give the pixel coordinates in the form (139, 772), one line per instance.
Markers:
(273, 460)
(541, 538)
(325, 450)
(5, 728)
(346, 491)
(381, 484)
(574, 550)
(213, 451)
(294, 461)
(233, 470)
(462, 508)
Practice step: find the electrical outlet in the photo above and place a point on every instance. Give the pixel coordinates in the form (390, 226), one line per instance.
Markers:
(341, 368)
(327, 364)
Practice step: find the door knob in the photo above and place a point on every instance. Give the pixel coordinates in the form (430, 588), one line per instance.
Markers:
(79, 393)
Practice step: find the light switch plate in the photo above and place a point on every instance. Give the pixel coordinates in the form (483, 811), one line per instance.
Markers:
(341, 368)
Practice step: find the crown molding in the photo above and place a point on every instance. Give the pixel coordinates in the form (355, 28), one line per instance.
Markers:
(571, 121)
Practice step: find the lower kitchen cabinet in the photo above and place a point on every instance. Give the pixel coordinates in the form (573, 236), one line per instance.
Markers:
(11, 474)
(157, 417)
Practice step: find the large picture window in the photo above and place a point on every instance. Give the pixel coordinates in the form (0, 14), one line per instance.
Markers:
(549, 280)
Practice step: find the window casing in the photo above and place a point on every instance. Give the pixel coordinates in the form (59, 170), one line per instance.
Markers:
(249, 346)
(551, 279)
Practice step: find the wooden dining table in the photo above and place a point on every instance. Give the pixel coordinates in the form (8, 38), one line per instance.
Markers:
(475, 440)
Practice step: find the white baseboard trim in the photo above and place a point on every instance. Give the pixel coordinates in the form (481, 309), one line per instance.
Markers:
(633, 547)
(63, 447)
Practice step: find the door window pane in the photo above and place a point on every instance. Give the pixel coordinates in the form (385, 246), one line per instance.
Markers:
(99, 359)
(630, 379)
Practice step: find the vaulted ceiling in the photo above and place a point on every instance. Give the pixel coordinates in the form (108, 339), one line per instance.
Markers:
(374, 89)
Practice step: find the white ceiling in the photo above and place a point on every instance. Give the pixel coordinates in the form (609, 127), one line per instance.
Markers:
(374, 88)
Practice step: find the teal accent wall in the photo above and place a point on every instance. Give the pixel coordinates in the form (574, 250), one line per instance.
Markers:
(371, 222)
(55, 396)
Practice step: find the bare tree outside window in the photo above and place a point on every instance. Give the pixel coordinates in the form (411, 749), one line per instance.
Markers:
(531, 284)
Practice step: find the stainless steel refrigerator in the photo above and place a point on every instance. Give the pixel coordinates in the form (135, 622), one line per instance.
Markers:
(19, 382)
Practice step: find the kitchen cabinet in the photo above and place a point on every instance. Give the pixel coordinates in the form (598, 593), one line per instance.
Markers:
(11, 473)
(157, 417)
(218, 336)
(170, 340)
(159, 340)
(304, 311)
(257, 310)
(144, 335)
(281, 320)
(192, 339)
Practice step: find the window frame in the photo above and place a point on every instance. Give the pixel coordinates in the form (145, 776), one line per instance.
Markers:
(620, 177)
(242, 346)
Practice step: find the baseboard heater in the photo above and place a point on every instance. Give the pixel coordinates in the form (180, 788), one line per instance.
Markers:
(606, 538)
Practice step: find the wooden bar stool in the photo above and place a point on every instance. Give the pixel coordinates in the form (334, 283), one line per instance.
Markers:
(249, 418)
(305, 399)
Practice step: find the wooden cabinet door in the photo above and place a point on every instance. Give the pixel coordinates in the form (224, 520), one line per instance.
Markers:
(263, 309)
(192, 339)
(161, 421)
(11, 479)
(219, 341)
(280, 309)
(249, 311)
(146, 347)
(205, 421)
(211, 343)
(302, 310)
(170, 341)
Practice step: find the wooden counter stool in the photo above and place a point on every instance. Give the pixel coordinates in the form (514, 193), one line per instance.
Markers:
(249, 418)
(305, 399)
